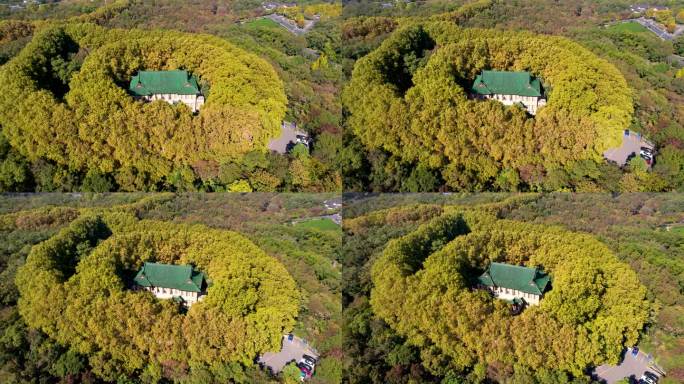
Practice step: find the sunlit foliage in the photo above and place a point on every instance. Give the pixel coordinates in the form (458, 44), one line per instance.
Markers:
(423, 289)
(65, 101)
(409, 97)
(75, 287)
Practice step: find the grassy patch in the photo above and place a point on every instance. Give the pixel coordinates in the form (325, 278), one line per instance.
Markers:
(628, 27)
(322, 224)
(262, 23)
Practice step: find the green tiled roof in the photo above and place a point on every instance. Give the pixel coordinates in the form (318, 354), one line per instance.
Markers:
(523, 279)
(175, 82)
(506, 83)
(181, 277)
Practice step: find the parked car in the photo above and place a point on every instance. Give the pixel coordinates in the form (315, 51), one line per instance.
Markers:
(310, 359)
(306, 369)
(651, 376)
(308, 365)
(303, 139)
(635, 351)
(645, 152)
(647, 159)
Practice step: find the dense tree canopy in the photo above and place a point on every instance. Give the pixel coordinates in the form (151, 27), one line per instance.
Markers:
(423, 289)
(65, 101)
(409, 97)
(75, 287)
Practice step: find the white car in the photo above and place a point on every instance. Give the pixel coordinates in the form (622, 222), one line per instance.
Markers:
(649, 377)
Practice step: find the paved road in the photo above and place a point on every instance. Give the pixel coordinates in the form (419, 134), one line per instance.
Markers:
(630, 367)
(291, 350)
(291, 25)
(631, 143)
(656, 28)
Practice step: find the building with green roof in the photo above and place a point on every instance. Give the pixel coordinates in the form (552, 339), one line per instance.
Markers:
(168, 281)
(176, 86)
(515, 283)
(510, 88)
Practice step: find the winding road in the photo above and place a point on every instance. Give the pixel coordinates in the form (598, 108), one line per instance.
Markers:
(657, 28)
(290, 25)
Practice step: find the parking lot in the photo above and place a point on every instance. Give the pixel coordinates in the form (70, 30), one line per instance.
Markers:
(291, 350)
(287, 138)
(631, 143)
(631, 367)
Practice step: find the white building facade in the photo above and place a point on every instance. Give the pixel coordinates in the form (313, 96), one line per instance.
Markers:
(510, 294)
(194, 102)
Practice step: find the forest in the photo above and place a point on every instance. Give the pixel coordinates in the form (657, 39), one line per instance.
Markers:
(128, 146)
(408, 260)
(409, 98)
(72, 258)
(468, 148)
(372, 142)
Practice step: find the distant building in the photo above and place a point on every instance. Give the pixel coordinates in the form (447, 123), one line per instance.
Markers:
(640, 8)
(515, 284)
(168, 281)
(509, 88)
(171, 86)
(271, 5)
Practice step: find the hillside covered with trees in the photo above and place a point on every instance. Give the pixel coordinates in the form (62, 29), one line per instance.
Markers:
(429, 143)
(402, 143)
(73, 289)
(255, 75)
(410, 97)
(68, 263)
(78, 115)
(411, 312)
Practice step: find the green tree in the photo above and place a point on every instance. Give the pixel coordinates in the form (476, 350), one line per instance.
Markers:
(291, 374)
(240, 186)
(95, 181)
(422, 179)
(68, 364)
(299, 151)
